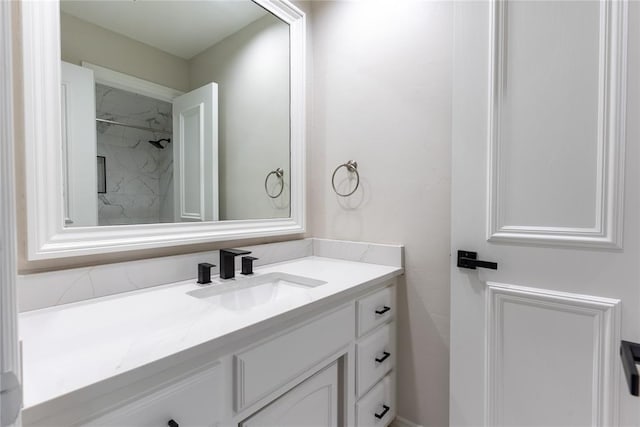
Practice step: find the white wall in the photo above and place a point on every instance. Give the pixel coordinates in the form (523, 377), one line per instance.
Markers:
(251, 68)
(382, 96)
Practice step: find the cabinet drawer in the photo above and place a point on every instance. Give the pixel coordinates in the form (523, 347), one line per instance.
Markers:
(263, 368)
(375, 357)
(375, 309)
(377, 408)
(193, 400)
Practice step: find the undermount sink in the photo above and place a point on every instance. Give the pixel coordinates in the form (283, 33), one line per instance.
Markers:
(248, 293)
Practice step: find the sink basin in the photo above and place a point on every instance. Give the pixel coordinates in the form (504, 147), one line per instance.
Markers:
(246, 294)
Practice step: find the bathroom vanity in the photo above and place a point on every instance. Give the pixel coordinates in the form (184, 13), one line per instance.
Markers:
(309, 341)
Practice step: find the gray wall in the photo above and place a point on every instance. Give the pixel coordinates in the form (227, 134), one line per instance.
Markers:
(83, 41)
(382, 96)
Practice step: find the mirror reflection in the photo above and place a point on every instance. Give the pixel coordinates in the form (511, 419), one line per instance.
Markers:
(174, 111)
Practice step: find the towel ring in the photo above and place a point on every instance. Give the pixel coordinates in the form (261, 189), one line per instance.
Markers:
(279, 173)
(352, 166)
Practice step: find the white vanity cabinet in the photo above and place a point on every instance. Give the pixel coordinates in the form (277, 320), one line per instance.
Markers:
(324, 366)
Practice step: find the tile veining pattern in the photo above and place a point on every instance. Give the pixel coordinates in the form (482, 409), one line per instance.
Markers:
(139, 175)
(77, 284)
(66, 286)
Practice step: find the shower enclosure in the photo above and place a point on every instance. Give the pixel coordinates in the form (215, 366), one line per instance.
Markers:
(134, 135)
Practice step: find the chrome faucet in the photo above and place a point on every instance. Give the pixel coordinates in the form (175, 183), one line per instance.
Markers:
(227, 262)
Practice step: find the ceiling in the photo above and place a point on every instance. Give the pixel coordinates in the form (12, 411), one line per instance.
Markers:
(181, 28)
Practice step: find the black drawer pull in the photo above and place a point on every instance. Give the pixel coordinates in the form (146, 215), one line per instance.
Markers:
(172, 423)
(383, 358)
(383, 311)
(385, 409)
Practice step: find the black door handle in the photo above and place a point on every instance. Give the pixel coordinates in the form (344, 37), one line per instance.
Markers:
(467, 259)
(630, 355)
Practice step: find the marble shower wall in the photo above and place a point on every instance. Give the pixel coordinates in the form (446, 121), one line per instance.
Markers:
(139, 175)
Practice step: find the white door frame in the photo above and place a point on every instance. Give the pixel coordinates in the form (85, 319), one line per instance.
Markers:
(11, 396)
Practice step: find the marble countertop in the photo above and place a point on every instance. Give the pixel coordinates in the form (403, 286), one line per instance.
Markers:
(66, 348)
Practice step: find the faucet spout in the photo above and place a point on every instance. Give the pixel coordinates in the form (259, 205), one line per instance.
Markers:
(227, 262)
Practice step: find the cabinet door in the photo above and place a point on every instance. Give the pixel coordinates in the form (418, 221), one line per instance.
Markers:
(190, 401)
(314, 403)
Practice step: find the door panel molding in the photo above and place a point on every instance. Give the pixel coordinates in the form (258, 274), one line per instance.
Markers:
(596, 320)
(195, 142)
(186, 186)
(608, 228)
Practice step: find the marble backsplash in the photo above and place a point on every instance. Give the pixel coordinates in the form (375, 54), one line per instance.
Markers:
(139, 175)
(41, 290)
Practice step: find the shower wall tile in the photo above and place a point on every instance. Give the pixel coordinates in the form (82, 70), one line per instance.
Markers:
(139, 175)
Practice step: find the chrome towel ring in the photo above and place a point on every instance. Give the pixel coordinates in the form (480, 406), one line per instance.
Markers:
(352, 166)
(279, 173)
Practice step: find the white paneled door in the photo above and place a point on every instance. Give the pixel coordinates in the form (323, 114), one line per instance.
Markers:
(195, 154)
(546, 183)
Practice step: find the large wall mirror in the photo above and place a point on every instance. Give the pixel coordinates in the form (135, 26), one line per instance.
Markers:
(162, 122)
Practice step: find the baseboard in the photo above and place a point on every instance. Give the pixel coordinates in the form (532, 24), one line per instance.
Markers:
(403, 422)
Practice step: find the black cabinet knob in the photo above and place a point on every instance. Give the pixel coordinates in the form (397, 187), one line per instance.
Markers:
(172, 423)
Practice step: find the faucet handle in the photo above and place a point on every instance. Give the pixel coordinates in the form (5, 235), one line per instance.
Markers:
(247, 264)
(204, 273)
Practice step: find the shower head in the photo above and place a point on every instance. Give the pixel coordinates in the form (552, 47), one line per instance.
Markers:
(158, 145)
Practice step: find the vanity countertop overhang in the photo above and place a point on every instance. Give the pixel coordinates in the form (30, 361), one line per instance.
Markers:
(67, 349)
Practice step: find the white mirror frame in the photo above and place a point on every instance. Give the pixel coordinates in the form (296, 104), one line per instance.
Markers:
(47, 236)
